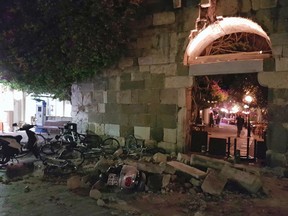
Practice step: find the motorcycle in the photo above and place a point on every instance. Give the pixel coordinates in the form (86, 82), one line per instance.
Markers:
(11, 147)
(127, 178)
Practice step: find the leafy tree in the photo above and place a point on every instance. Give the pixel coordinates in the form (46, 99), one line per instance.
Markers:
(46, 45)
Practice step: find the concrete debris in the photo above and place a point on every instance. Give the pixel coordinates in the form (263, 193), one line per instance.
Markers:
(159, 157)
(194, 172)
(250, 182)
(183, 158)
(165, 174)
(214, 182)
(95, 194)
(74, 182)
(208, 162)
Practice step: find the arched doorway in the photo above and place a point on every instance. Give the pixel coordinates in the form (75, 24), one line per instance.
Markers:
(231, 45)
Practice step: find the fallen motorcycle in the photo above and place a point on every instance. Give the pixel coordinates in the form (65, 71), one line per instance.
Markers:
(126, 177)
(11, 148)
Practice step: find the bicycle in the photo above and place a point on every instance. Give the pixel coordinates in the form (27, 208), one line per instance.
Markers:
(68, 159)
(135, 147)
(93, 146)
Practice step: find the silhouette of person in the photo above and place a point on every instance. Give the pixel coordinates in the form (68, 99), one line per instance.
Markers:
(211, 119)
(239, 123)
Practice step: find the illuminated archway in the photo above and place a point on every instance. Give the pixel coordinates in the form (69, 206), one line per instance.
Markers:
(229, 27)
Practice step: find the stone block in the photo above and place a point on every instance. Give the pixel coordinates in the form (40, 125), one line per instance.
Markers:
(214, 183)
(134, 108)
(159, 157)
(101, 108)
(285, 51)
(279, 39)
(105, 97)
(142, 119)
(99, 129)
(112, 130)
(125, 62)
(165, 109)
(282, 64)
(252, 183)
(74, 182)
(256, 4)
(142, 132)
(166, 121)
(137, 76)
(192, 171)
(154, 81)
(163, 18)
(157, 134)
(146, 166)
(276, 80)
(151, 96)
(275, 159)
(181, 97)
(146, 42)
(207, 162)
(114, 83)
(170, 135)
(144, 68)
(269, 64)
(246, 6)
(169, 96)
(166, 180)
(169, 147)
(178, 82)
(183, 158)
(95, 117)
(277, 51)
(124, 97)
(153, 59)
(227, 7)
(129, 85)
(112, 96)
(265, 4)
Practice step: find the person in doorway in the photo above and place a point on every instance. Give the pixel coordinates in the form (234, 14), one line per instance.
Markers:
(211, 120)
(218, 119)
(239, 123)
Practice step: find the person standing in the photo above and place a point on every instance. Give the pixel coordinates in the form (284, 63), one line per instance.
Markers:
(239, 123)
(211, 120)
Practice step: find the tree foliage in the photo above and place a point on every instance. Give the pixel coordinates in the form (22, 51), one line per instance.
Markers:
(46, 45)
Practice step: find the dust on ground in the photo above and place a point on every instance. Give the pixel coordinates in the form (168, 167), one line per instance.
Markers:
(38, 195)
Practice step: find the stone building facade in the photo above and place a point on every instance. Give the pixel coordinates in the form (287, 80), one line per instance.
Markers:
(145, 94)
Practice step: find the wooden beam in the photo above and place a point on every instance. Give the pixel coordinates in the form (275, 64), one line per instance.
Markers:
(228, 57)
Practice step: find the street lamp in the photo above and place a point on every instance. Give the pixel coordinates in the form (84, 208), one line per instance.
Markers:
(248, 99)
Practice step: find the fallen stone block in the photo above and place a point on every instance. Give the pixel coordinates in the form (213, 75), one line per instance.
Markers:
(159, 157)
(146, 167)
(252, 183)
(214, 182)
(74, 182)
(95, 194)
(196, 173)
(183, 158)
(204, 161)
(166, 180)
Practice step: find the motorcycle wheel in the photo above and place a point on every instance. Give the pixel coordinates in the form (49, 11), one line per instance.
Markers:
(4, 158)
(74, 156)
(110, 145)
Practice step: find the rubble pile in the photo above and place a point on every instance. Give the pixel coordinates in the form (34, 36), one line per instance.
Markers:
(165, 174)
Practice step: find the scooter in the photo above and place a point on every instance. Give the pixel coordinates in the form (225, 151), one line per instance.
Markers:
(127, 178)
(11, 148)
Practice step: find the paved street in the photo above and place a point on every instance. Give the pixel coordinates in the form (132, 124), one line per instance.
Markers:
(227, 130)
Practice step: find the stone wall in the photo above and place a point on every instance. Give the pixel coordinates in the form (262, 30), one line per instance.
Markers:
(145, 92)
